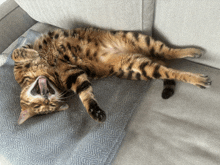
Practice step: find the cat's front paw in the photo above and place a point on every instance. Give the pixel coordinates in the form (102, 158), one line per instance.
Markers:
(96, 112)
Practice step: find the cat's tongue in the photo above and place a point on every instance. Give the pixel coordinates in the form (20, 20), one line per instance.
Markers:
(42, 81)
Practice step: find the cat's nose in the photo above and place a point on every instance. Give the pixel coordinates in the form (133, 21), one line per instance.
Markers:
(46, 101)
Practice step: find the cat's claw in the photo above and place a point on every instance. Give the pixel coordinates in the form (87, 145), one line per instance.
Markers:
(205, 82)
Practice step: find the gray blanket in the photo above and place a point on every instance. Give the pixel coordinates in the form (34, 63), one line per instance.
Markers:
(71, 136)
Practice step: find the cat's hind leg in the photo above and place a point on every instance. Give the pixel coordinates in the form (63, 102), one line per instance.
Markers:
(144, 44)
(137, 67)
(158, 49)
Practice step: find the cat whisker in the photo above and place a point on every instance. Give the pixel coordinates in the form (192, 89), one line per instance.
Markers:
(63, 93)
(67, 97)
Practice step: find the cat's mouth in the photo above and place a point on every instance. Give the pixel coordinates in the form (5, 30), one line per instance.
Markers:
(42, 87)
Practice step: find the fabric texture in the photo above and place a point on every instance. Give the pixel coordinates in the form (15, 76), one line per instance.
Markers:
(191, 22)
(71, 136)
(111, 14)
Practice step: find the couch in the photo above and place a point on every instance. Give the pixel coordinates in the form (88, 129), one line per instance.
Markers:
(184, 129)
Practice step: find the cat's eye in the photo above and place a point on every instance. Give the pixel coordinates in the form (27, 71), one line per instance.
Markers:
(36, 106)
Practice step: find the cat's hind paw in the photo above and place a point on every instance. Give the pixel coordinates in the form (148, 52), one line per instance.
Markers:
(204, 82)
(167, 93)
(197, 53)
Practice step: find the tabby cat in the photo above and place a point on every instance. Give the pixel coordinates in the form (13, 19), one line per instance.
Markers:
(64, 60)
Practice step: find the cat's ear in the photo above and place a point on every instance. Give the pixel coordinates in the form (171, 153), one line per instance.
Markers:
(64, 107)
(22, 54)
(24, 115)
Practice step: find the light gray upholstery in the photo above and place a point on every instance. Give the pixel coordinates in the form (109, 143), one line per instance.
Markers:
(191, 22)
(110, 14)
(13, 23)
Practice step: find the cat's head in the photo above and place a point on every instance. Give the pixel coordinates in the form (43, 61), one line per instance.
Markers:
(40, 91)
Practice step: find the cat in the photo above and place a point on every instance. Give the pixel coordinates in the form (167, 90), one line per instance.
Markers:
(66, 60)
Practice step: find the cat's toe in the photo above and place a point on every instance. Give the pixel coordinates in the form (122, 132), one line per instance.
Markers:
(100, 115)
(96, 112)
(205, 82)
(198, 53)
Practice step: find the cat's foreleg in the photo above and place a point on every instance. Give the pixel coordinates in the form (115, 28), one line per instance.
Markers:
(77, 81)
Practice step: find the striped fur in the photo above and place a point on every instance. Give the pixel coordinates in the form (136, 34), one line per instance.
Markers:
(65, 60)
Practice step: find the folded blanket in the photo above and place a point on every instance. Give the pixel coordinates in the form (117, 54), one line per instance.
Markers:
(67, 137)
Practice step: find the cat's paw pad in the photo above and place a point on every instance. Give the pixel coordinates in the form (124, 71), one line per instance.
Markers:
(96, 113)
(204, 82)
(167, 93)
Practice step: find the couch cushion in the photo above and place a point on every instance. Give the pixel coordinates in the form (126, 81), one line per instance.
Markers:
(110, 14)
(13, 22)
(183, 130)
(191, 22)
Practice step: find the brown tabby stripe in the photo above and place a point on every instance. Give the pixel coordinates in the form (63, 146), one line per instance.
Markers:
(66, 34)
(68, 45)
(51, 34)
(161, 47)
(121, 73)
(130, 66)
(85, 85)
(18, 67)
(111, 71)
(66, 58)
(44, 42)
(147, 39)
(136, 35)
(27, 65)
(72, 68)
(72, 78)
(63, 47)
(56, 36)
(130, 75)
(142, 66)
(88, 52)
(152, 52)
(138, 76)
(156, 73)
